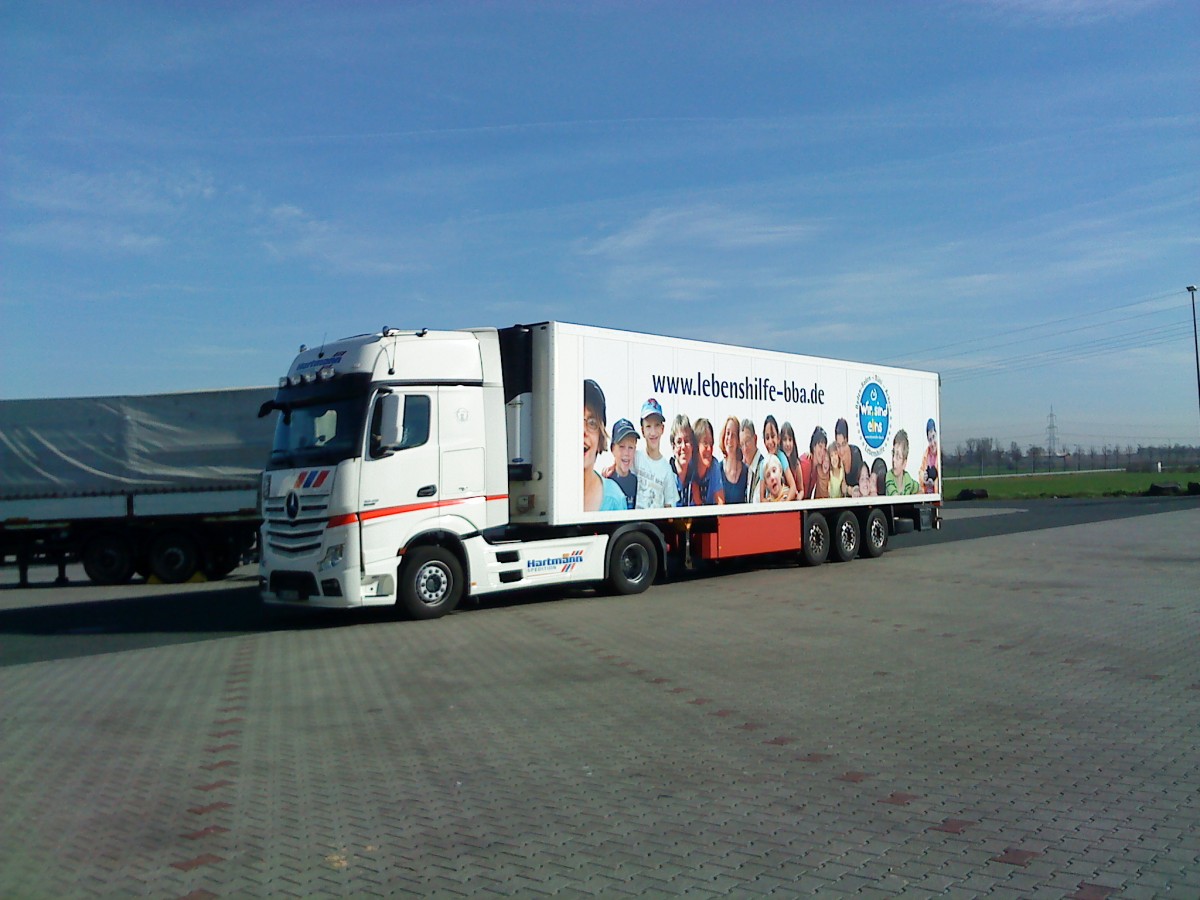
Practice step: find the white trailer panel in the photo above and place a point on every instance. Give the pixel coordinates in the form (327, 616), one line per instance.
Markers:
(716, 382)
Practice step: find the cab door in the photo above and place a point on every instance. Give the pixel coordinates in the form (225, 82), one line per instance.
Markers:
(401, 483)
(463, 471)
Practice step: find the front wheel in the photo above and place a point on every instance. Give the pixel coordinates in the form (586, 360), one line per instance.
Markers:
(431, 583)
(632, 563)
(875, 533)
(814, 549)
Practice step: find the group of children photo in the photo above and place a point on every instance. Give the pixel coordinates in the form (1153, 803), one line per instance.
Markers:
(645, 475)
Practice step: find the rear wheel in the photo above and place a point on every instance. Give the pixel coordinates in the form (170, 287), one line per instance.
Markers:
(221, 556)
(174, 557)
(846, 537)
(815, 547)
(431, 583)
(108, 559)
(632, 563)
(875, 533)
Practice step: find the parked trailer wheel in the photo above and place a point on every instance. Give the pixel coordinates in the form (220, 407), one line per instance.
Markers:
(174, 557)
(108, 559)
(431, 583)
(875, 534)
(221, 556)
(846, 537)
(815, 547)
(632, 563)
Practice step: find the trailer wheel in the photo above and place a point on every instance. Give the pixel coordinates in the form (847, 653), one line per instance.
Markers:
(174, 557)
(108, 559)
(875, 534)
(846, 537)
(431, 583)
(632, 563)
(815, 547)
(221, 556)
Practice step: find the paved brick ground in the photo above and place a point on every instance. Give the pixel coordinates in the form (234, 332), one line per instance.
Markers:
(1017, 715)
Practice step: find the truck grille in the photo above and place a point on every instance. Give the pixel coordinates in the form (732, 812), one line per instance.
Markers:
(300, 536)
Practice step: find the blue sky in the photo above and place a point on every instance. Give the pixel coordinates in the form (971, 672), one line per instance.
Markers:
(1004, 191)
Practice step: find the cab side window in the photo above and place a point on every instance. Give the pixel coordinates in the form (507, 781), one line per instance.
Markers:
(414, 426)
(415, 430)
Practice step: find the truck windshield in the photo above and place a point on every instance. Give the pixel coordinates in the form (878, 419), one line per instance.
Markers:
(319, 433)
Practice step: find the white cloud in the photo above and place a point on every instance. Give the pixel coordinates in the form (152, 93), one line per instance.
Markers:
(700, 228)
(107, 194)
(86, 237)
(289, 232)
(1067, 13)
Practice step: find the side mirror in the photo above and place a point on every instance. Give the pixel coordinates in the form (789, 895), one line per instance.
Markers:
(392, 406)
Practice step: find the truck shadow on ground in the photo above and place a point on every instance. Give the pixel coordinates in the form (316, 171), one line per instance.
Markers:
(106, 624)
(61, 630)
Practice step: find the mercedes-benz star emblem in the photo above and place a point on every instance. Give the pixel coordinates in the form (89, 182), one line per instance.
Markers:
(292, 505)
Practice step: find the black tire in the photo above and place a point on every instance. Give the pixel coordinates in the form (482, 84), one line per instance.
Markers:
(632, 563)
(875, 534)
(431, 583)
(221, 556)
(815, 547)
(174, 557)
(108, 559)
(847, 537)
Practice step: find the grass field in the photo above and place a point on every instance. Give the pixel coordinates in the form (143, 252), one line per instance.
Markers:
(1067, 484)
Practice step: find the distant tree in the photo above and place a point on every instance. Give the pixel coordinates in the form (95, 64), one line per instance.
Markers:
(1035, 453)
(1014, 454)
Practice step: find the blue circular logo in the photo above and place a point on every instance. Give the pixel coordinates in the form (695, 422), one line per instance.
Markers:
(874, 411)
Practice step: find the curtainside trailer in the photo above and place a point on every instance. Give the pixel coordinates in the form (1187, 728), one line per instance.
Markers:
(164, 485)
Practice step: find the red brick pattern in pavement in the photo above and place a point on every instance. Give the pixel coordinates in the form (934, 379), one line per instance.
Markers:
(560, 747)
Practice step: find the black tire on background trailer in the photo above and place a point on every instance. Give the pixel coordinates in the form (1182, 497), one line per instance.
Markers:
(221, 556)
(632, 563)
(174, 557)
(108, 559)
(430, 583)
(847, 537)
(875, 533)
(814, 548)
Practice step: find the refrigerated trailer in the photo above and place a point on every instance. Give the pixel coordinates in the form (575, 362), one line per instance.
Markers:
(162, 485)
(419, 468)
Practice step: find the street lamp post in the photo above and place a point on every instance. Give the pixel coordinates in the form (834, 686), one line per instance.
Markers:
(1195, 340)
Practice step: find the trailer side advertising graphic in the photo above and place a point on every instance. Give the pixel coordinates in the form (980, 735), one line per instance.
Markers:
(671, 424)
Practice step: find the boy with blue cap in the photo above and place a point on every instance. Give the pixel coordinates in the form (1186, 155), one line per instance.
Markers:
(656, 485)
(624, 450)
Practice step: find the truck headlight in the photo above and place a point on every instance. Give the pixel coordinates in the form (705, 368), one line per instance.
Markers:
(333, 557)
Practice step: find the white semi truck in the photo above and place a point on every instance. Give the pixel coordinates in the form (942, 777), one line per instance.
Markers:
(162, 485)
(418, 468)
